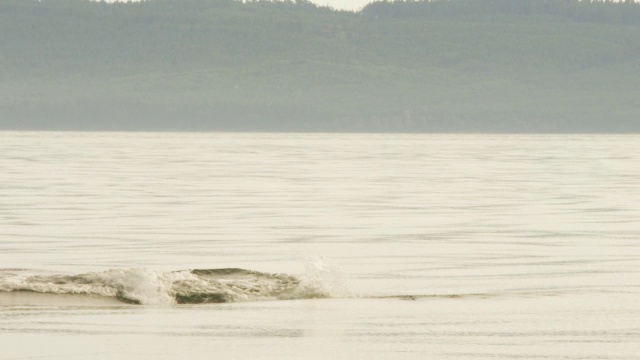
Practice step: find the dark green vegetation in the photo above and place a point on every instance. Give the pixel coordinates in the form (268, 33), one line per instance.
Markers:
(455, 66)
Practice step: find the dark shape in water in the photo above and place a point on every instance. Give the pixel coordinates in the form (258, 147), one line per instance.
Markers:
(202, 298)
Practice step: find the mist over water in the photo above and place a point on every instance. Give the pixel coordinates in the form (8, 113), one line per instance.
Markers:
(419, 246)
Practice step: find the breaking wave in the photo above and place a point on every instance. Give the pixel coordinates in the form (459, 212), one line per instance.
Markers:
(146, 286)
(195, 286)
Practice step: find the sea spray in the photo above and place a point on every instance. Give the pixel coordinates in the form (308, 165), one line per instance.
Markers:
(321, 280)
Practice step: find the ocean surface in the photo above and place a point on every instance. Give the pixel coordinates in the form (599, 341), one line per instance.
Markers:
(319, 246)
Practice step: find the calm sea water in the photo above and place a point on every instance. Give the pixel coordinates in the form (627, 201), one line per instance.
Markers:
(386, 246)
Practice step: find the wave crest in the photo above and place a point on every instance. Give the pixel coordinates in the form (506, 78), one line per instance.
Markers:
(146, 286)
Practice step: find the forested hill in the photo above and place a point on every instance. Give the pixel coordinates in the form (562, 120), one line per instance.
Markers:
(439, 66)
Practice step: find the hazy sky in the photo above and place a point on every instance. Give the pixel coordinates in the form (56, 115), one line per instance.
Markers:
(343, 4)
(358, 4)
(338, 4)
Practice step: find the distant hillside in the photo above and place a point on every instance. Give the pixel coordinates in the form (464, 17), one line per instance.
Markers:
(440, 66)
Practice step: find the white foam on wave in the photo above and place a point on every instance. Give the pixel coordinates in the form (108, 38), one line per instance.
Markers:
(143, 286)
